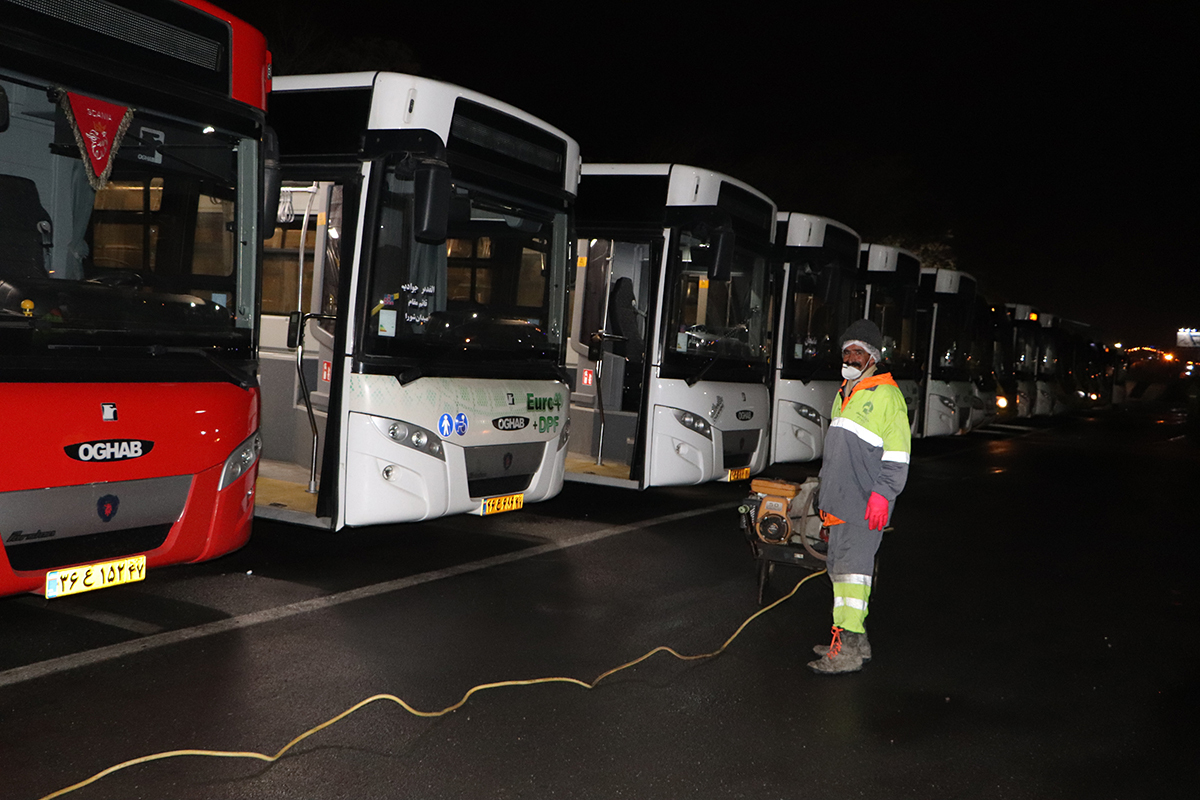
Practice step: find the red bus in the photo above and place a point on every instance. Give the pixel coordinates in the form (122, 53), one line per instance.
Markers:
(131, 213)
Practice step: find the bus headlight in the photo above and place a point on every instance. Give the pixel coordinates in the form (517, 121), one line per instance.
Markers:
(693, 422)
(240, 460)
(564, 436)
(808, 412)
(411, 436)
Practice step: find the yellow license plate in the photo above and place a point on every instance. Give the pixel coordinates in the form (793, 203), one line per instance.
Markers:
(511, 502)
(89, 577)
(739, 474)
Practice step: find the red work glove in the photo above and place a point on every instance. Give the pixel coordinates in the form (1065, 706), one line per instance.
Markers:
(877, 512)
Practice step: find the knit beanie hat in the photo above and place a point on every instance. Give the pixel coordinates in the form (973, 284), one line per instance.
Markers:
(865, 334)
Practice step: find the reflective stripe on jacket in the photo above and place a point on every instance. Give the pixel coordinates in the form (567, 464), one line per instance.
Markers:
(867, 448)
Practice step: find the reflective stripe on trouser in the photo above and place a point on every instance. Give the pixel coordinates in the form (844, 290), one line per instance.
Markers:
(850, 596)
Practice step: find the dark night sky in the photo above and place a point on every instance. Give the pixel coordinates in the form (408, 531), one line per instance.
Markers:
(1051, 140)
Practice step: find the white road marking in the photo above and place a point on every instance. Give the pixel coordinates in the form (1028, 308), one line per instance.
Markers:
(92, 615)
(64, 663)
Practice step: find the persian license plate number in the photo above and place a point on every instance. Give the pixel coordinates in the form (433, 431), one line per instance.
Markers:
(511, 502)
(739, 474)
(89, 577)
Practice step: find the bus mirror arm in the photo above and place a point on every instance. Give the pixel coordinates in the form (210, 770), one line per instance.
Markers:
(722, 264)
(432, 199)
(272, 183)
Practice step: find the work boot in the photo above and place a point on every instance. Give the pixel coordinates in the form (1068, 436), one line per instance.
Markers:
(864, 647)
(842, 655)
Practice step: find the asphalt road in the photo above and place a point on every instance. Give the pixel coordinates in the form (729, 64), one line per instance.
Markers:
(1033, 625)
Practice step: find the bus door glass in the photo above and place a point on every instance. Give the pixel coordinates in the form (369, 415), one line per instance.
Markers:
(301, 272)
(613, 326)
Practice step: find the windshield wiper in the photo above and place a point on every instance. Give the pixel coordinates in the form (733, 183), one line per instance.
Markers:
(693, 380)
(242, 380)
(236, 376)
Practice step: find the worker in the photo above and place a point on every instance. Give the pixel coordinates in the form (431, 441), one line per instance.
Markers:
(864, 468)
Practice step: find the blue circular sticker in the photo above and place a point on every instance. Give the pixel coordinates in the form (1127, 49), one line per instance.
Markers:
(460, 424)
(446, 425)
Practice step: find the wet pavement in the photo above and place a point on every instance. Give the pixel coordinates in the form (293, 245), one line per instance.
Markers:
(1033, 625)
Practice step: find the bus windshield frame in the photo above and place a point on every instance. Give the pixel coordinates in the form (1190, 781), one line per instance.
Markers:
(488, 301)
(716, 327)
(160, 258)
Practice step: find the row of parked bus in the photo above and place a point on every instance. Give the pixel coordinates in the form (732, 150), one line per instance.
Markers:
(391, 299)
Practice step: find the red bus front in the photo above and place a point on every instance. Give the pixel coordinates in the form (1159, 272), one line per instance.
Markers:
(100, 471)
(130, 209)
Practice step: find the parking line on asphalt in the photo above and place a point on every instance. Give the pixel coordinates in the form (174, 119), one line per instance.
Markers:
(154, 641)
(93, 615)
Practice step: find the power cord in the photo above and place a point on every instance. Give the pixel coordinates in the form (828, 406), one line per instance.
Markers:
(392, 698)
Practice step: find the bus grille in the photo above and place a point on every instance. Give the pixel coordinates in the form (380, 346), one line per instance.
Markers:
(83, 549)
(502, 468)
(739, 447)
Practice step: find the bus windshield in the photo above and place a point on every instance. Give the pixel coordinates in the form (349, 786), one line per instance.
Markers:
(493, 291)
(149, 258)
(820, 303)
(950, 342)
(710, 319)
(891, 310)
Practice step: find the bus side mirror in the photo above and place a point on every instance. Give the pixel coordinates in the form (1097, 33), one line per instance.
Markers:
(829, 281)
(722, 264)
(295, 320)
(432, 200)
(272, 184)
(3, 110)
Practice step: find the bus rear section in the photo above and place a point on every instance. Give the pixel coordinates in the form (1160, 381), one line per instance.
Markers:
(820, 296)
(670, 330)
(423, 251)
(130, 179)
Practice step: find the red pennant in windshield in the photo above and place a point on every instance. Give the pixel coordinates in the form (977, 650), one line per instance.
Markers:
(99, 127)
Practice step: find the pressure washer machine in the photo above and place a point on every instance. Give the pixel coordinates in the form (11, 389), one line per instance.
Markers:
(780, 521)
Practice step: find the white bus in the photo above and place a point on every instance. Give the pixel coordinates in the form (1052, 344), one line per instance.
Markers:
(891, 277)
(820, 295)
(947, 301)
(425, 251)
(670, 327)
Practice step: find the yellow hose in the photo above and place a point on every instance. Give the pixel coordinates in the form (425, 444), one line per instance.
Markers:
(391, 697)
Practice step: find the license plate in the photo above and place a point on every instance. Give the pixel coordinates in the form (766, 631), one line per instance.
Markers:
(89, 577)
(511, 502)
(739, 474)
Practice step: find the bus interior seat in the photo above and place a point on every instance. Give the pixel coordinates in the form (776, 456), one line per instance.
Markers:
(25, 229)
(623, 321)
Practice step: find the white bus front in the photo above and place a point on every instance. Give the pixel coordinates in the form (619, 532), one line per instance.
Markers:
(432, 225)
(670, 327)
(820, 296)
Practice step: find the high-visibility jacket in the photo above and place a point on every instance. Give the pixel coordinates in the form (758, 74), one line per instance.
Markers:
(867, 448)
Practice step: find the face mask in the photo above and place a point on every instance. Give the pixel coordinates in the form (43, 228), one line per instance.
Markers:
(852, 373)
